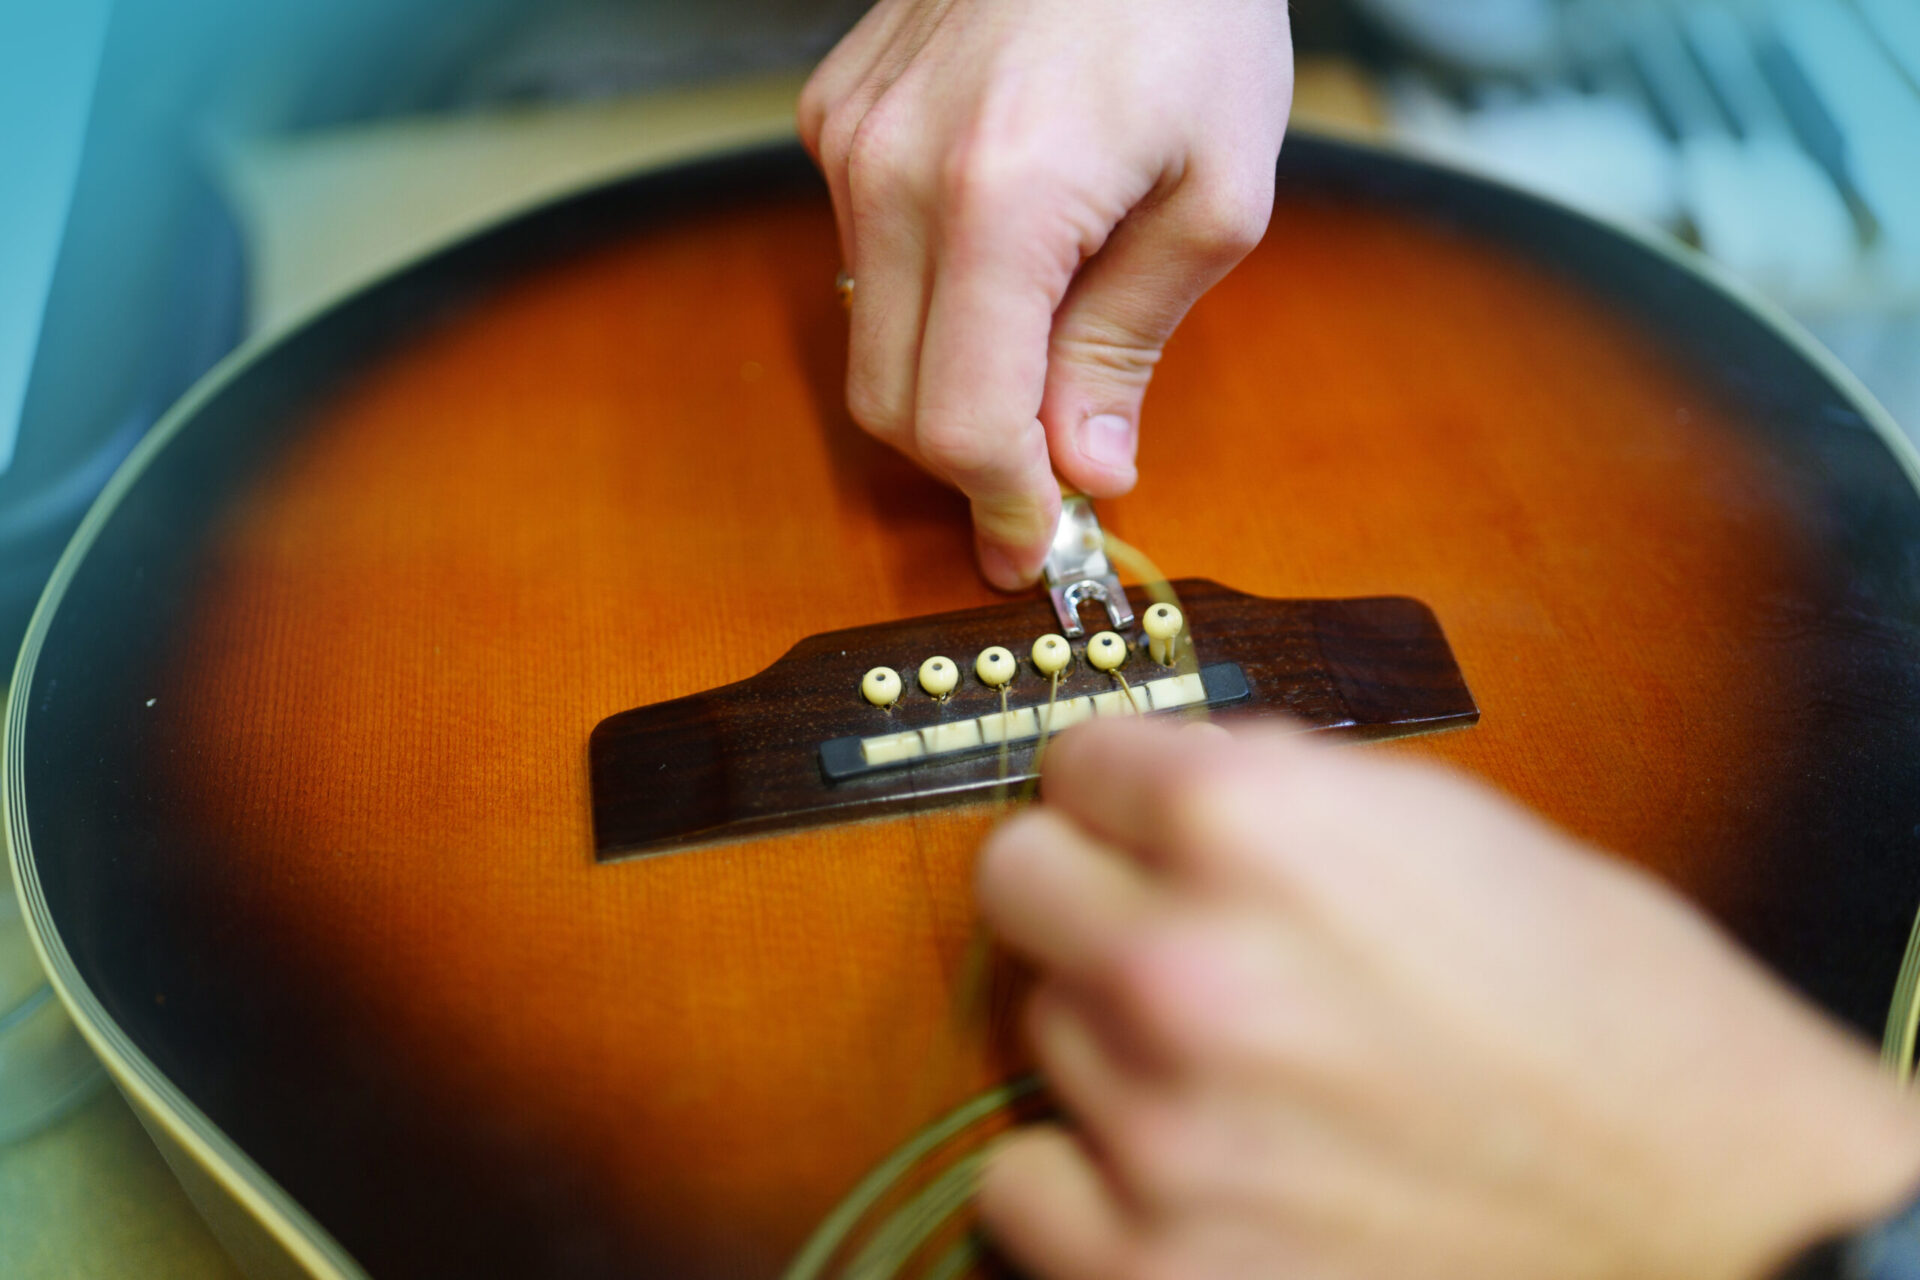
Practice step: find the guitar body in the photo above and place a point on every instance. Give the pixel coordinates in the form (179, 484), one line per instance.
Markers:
(297, 772)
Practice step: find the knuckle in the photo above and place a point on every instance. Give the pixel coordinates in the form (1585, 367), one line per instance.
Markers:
(1005, 193)
(987, 173)
(810, 114)
(1114, 349)
(1150, 979)
(1227, 220)
(953, 448)
(879, 148)
(1012, 860)
(1131, 973)
(1201, 806)
(1154, 1152)
(837, 131)
(874, 411)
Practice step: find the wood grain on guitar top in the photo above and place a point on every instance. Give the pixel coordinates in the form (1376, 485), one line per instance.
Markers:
(628, 477)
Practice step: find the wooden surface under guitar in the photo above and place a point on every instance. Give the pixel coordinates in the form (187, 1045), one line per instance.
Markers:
(297, 764)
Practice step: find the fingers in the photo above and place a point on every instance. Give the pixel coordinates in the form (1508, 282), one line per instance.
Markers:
(830, 108)
(840, 74)
(969, 199)
(869, 144)
(1082, 1070)
(1047, 1206)
(1055, 895)
(891, 267)
(1166, 1136)
(1092, 920)
(1123, 306)
(1166, 984)
(954, 300)
(1276, 813)
(1157, 789)
(835, 100)
(983, 369)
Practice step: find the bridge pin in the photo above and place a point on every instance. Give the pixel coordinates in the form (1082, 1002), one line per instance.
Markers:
(938, 676)
(881, 686)
(995, 667)
(1106, 651)
(1051, 655)
(1162, 625)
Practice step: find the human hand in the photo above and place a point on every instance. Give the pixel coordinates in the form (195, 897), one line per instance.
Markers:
(1318, 1013)
(1030, 197)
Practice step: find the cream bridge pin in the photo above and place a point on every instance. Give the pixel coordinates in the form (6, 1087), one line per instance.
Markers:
(930, 711)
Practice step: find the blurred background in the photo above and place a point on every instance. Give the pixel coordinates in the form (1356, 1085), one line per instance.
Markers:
(181, 175)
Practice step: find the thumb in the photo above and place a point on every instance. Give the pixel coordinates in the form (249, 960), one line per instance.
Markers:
(1123, 305)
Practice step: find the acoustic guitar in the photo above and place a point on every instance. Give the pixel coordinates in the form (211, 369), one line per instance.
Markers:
(440, 782)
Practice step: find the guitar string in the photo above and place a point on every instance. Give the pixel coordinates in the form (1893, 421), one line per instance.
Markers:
(1000, 789)
(903, 1234)
(899, 1236)
(972, 1011)
(958, 1260)
(1046, 736)
(834, 1230)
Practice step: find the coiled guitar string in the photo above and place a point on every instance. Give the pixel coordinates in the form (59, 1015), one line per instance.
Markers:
(897, 1238)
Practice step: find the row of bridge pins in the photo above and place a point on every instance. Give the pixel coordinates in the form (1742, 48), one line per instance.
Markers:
(996, 667)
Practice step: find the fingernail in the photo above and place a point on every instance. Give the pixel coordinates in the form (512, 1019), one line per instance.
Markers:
(1109, 439)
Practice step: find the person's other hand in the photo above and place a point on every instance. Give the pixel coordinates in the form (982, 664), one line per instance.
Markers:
(1031, 194)
(1317, 1013)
